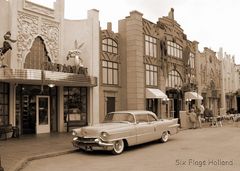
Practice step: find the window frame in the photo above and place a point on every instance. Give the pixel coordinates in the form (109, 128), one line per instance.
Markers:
(150, 46)
(151, 72)
(174, 78)
(174, 50)
(110, 72)
(109, 45)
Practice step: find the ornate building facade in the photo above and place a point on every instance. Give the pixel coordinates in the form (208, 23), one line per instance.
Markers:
(230, 81)
(49, 78)
(110, 72)
(210, 80)
(147, 66)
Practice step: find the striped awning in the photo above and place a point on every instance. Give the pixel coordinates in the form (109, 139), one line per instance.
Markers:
(193, 96)
(35, 76)
(153, 93)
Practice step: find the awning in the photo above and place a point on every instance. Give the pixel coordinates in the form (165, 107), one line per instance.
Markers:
(153, 93)
(35, 76)
(193, 96)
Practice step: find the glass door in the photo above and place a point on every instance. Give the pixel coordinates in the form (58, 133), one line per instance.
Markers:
(42, 114)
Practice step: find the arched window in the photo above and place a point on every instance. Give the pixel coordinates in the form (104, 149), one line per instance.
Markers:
(174, 79)
(37, 55)
(174, 49)
(109, 45)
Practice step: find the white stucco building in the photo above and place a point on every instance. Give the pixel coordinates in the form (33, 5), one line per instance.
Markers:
(41, 89)
(229, 80)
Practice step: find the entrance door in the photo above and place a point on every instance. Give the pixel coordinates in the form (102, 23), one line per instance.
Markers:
(110, 104)
(42, 114)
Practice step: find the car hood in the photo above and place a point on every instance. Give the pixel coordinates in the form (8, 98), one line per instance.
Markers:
(95, 130)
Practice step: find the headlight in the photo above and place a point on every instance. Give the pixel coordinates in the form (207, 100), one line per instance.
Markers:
(104, 134)
(74, 133)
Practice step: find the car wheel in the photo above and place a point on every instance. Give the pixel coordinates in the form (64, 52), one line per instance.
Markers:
(118, 147)
(164, 137)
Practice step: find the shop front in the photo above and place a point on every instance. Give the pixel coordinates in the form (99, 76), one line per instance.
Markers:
(36, 109)
(154, 97)
(43, 101)
(175, 102)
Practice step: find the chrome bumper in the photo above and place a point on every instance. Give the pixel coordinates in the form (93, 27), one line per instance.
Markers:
(90, 144)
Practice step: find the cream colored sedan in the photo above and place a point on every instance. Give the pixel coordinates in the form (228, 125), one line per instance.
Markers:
(124, 128)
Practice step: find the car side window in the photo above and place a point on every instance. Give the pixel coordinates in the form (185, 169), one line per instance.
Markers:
(130, 118)
(151, 118)
(141, 118)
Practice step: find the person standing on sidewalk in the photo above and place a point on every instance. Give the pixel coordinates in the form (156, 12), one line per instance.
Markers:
(193, 118)
(201, 113)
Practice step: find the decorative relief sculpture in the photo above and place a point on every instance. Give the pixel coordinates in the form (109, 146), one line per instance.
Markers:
(6, 46)
(76, 54)
(29, 28)
(50, 34)
(27, 31)
(38, 8)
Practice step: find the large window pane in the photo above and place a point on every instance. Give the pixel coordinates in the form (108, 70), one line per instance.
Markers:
(104, 47)
(115, 50)
(75, 105)
(147, 78)
(150, 46)
(105, 75)
(115, 77)
(155, 79)
(109, 45)
(174, 79)
(110, 73)
(146, 48)
(174, 49)
(110, 76)
(104, 63)
(151, 75)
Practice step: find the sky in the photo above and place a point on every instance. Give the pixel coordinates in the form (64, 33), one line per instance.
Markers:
(213, 23)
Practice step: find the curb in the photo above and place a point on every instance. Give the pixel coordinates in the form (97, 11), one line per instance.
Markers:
(23, 163)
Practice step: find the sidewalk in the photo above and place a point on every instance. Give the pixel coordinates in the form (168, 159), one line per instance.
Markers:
(16, 152)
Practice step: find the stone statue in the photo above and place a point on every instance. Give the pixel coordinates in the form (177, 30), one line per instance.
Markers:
(163, 47)
(7, 43)
(6, 46)
(76, 54)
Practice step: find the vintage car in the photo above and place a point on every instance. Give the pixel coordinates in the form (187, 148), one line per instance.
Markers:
(124, 128)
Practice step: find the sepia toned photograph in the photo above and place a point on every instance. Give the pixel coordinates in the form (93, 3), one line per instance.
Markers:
(102, 85)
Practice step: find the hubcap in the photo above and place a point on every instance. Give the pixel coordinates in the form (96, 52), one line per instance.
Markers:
(118, 145)
(165, 136)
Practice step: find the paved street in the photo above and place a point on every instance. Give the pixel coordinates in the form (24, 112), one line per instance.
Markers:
(206, 149)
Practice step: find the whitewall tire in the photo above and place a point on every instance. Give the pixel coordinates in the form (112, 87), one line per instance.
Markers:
(164, 137)
(118, 147)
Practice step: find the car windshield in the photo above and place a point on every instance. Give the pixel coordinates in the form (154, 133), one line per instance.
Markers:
(119, 117)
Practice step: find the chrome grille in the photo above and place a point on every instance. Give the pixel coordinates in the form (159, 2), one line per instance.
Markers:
(86, 140)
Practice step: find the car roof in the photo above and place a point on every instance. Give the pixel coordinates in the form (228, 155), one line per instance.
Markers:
(135, 112)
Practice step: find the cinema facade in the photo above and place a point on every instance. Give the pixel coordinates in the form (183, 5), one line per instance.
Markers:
(49, 80)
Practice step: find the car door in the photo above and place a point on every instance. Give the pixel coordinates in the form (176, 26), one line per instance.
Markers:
(145, 129)
(153, 122)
